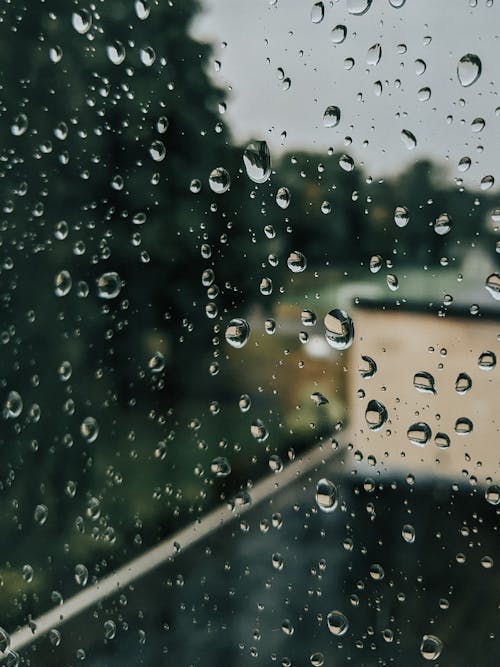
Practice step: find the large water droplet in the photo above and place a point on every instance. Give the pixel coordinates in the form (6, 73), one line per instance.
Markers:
(317, 12)
(257, 161)
(442, 440)
(142, 9)
(283, 197)
(116, 53)
(487, 360)
(339, 329)
(409, 139)
(81, 21)
(337, 623)
(20, 125)
(493, 285)
(424, 382)
(338, 34)
(147, 56)
(492, 494)
(220, 466)
(219, 180)
(463, 426)
(358, 7)
(296, 262)
(431, 647)
(41, 514)
(408, 533)
(331, 117)
(259, 430)
(237, 332)
(81, 574)
(469, 69)
(375, 263)
(463, 383)
(157, 150)
(443, 224)
(13, 405)
(419, 434)
(63, 283)
(375, 415)
(326, 495)
(317, 659)
(109, 285)
(401, 216)
(89, 429)
(374, 54)
(346, 162)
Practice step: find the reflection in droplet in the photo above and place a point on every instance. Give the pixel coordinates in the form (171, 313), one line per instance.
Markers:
(424, 382)
(147, 56)
(478, 124)
(419, 434)
(20, 125)
(370, 369)
(401, 216)
(296, 262)
(392, 282)
(339, 329)
(431, 647)
(377, 572)
(337, 623)
(317, 660)
(283, 197)
(409, 139)
(443, 224)
(142, 9)
(63, 283)
(487, 182)
(487, 360)
(257, 161)
(464, 163)
(408, 533)
(375, 263)
(331, 117)
(237, 332)
(326, 495)
(463, 383)
(492, 494)
(469, 69)
(375, 415)
(308, 318)
(156, 363)
(219, 180)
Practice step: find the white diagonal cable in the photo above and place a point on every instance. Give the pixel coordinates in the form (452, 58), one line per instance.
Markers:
(165, 551)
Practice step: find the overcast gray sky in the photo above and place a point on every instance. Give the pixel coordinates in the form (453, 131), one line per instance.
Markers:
(264, 35)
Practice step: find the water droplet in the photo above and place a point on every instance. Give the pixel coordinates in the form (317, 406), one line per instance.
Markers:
(370, 369)
(157, 150)
(317, 12)
(463, 383)
(409, 140)
(287, 627)
(156, 362)
(331, 117)
(442, 440)
(487, 360)
(319, 399)
(81, 574)
(116, 53)
(142, 9)
(326, 495)
(397, 3)
(41, 514)
(375, 263)
(424, 382)
(244, 403)
(12, 657)
(219, 180)
(337, 623)
(469, 69)
(13, 405)
(275, 463)
(220, 466)
(374, 54)
(420, 67)
(296, 262)
(147, 56)
(259, 430)
(487, 182)
(478, 124)
(4, 640)
(419, 434)
(277, 561)
(358, 7)
(109, 629)
(339, 329)
(270, 326)
(338, 34)
(442, 224)
(89, 429)
(283, 197)
(237, 332)
(63, 283)
(346, 162)
(109, 285)
(257, 161)
(492, 494)
(392, 282)
(54, 637)
(81, 21)
(431, 647)
(401, 216)
(377, 572)
(464, 164)
(55, 54)
(308, 318)
(463, 426)
(424, 94)
(408, 533)
(317, 660)
(375, 415)
(20, 125)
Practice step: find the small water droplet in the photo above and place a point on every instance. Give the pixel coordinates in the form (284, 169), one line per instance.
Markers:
(109, 629)
(375, 415)
(81, 21)
(443, 224)
(237, 332)
(409, 139)
(220, 466)
(63, 283)
(401, 216)
(317, 12)
(392, 282)
(277, 561)
(308, 318)
(20, 125)
(4, 641)
(338, 34)
(270, 326)
(487, 182)
(275, 463)
(375, 263)
(370, 369)
(296, 262)
(408, 533)
(397, 4)
(469, 69)
(109, 285)
(464, 164)
(431, 647)
(319, 399)
(157, 150)
(424, 94)
(339, 329)
(54, 637)
(442, 440)
(259, 430)
(424, 382)
(419, 434)
(326, 495)
(41, 514)
(13, 405)
(478, 124)
(81, 574)
(147, 55)
(89, 429)
(331, 117)
(219, 180)
(283, 197)
(156, 363)
(337, 623)
(257, 161)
